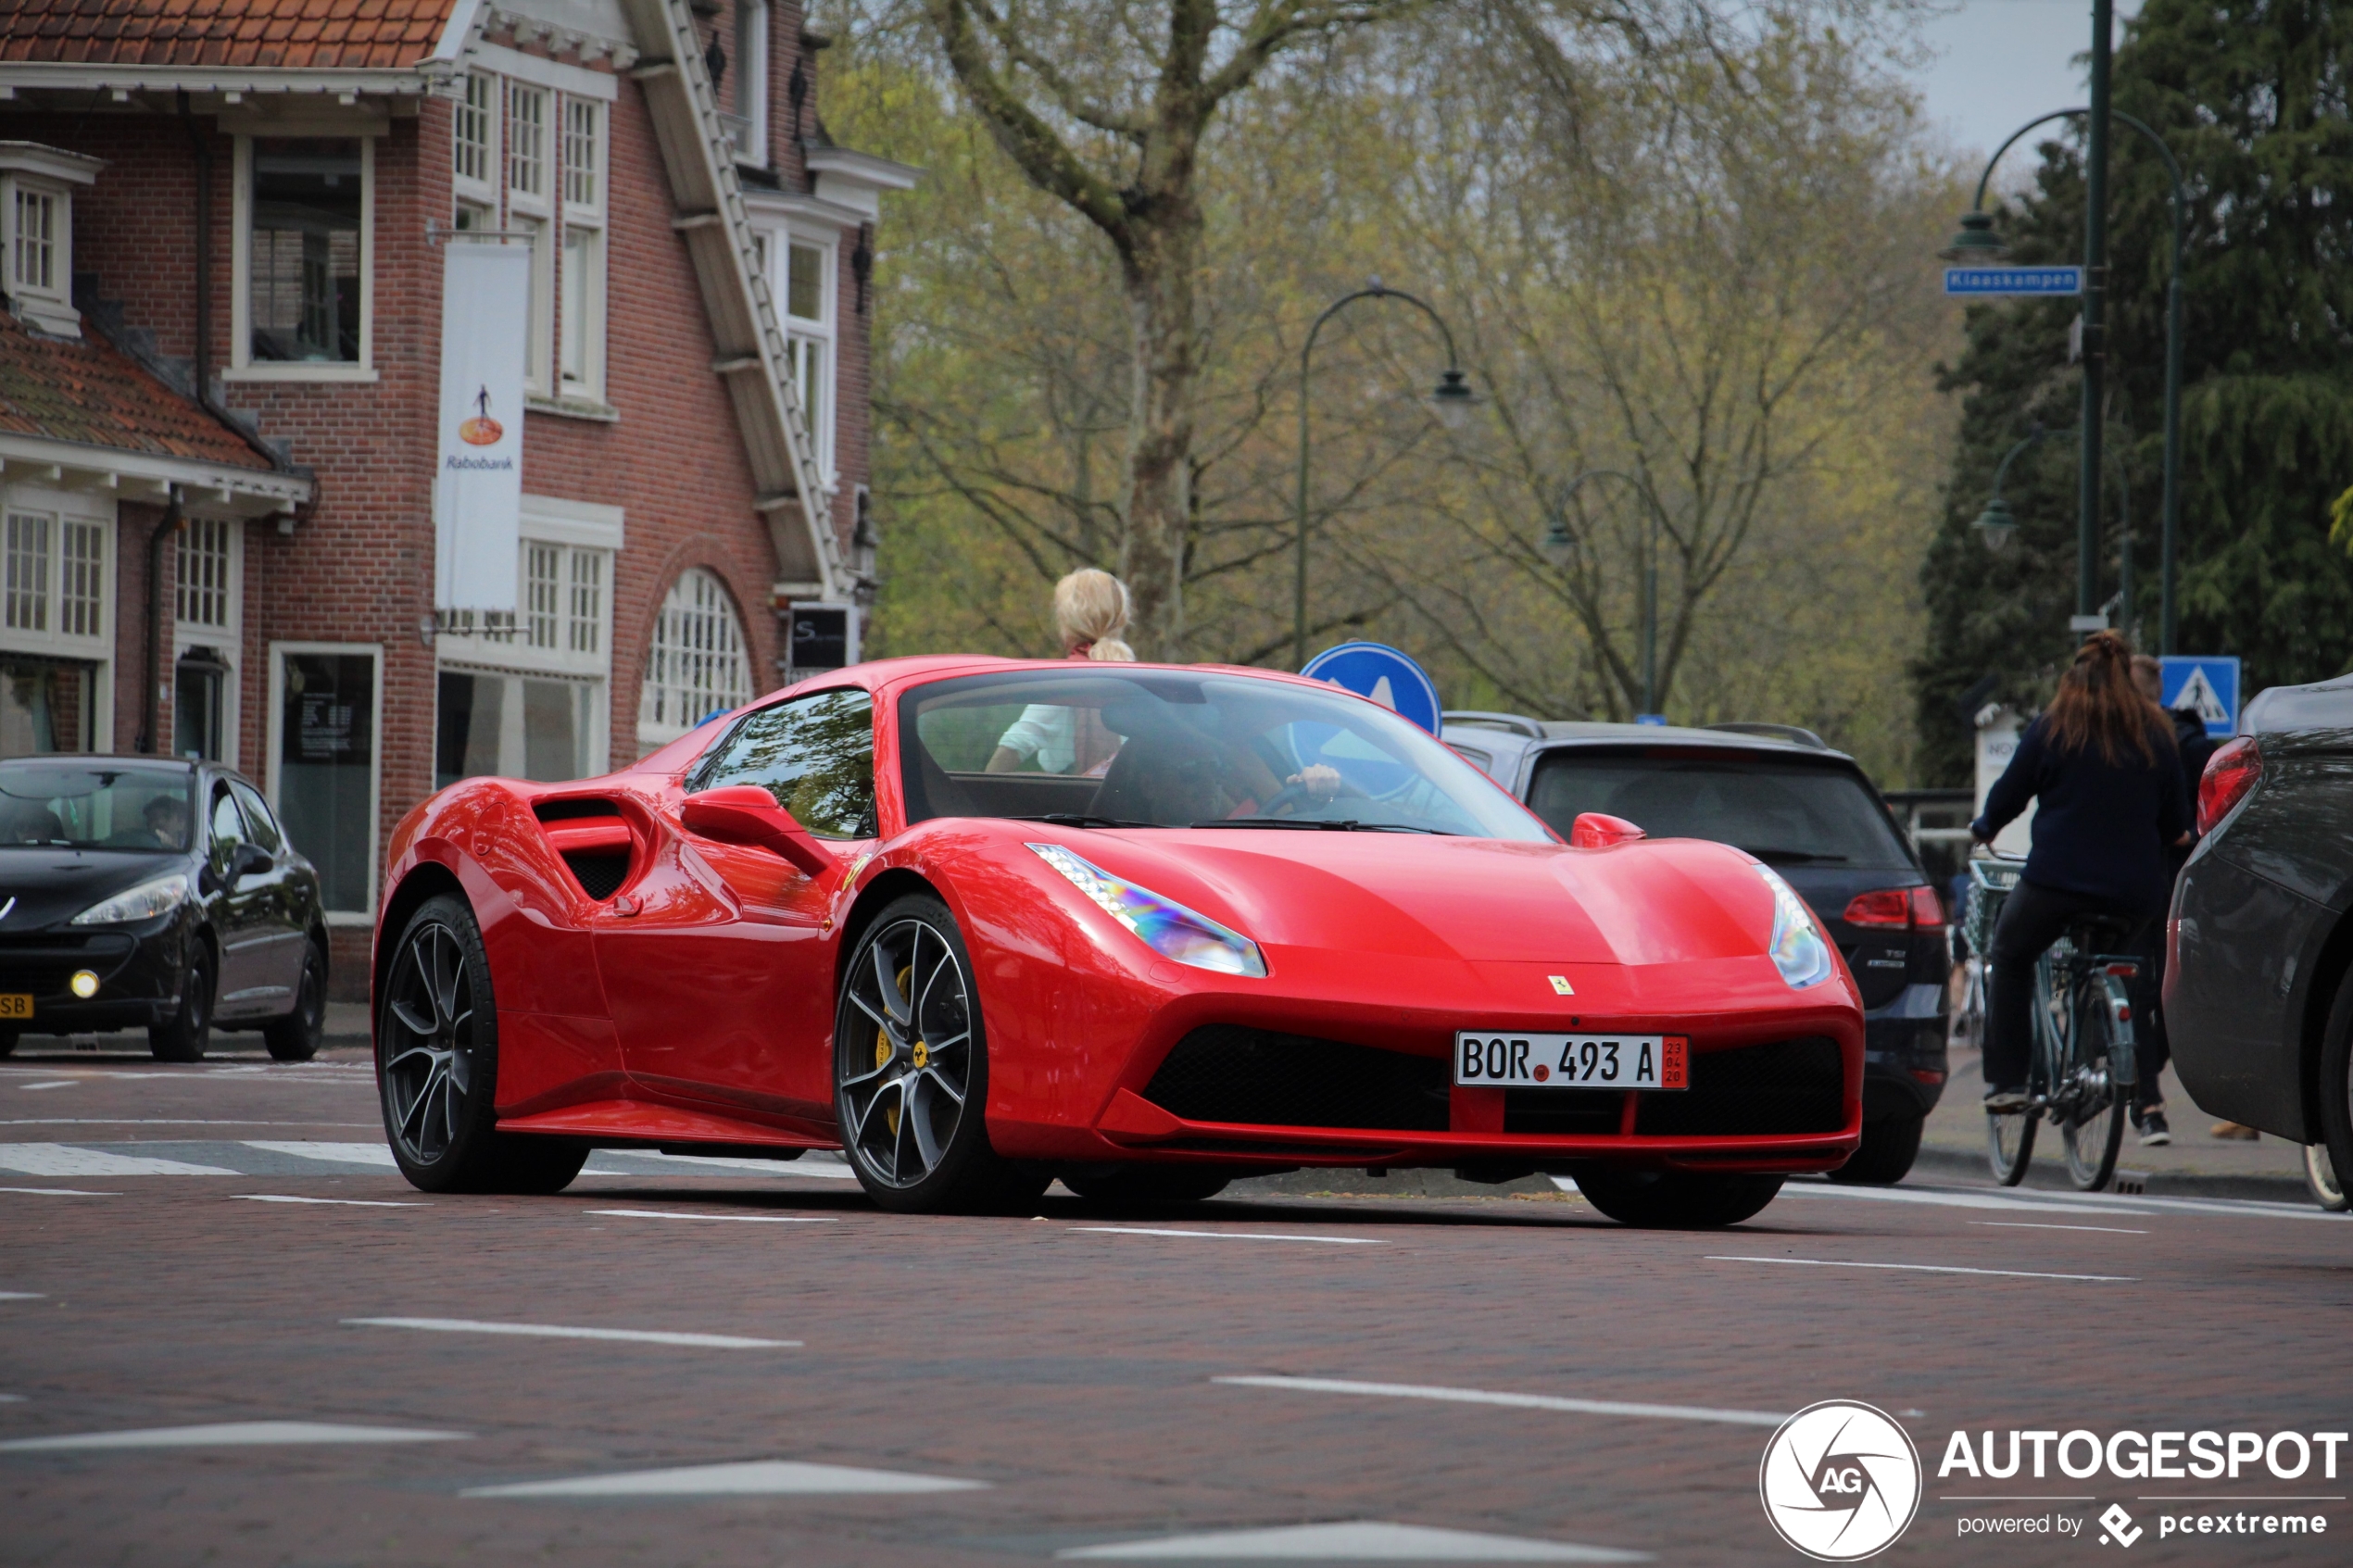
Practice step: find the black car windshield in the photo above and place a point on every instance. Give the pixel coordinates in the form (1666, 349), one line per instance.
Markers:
(1784, 812)
(87, 806)
(1098, 745)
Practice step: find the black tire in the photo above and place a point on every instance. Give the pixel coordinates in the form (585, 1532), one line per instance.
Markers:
(438, 1067)
(7, 1043)
(1889, 1148)
(1674, 1200)
(910, 1071)
(186, 1036)
(1146, 1184)
(2093, 1131)
(2320, 1179)
(2335, 1087)
(297, 1036)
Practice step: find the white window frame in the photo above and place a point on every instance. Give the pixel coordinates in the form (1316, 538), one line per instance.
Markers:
(653, 735)
(586, 218)
(242, 364)
(274, 746)
(226, 641)
(482, 188)
(825, 334)
(754, 47)
(52, 641)
(52, 302)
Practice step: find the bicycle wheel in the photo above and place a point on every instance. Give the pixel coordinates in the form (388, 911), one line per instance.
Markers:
(2092, 1110)
(2009, 1144)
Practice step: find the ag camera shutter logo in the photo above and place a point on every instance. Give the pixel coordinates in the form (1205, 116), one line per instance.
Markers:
(1841, 1480)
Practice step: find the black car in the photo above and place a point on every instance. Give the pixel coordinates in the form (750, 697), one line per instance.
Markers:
(1803, 809)
(144, 893)
(2258, 1005)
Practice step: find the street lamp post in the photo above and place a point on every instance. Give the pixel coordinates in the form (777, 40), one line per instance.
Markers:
(1996, 524)
(1978, 242)
(1451, 398)
(1559, 544)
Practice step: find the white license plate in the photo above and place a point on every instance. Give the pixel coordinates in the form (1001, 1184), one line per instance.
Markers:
(1494, 1059)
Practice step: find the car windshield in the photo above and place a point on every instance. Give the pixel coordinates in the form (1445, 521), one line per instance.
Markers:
(1169, 749)
(1786, 814)
(94, 806)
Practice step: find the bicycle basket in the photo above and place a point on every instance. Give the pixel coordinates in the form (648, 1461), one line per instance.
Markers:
(1990, 884)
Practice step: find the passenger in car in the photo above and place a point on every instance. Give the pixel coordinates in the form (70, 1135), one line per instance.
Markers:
(1090, 610)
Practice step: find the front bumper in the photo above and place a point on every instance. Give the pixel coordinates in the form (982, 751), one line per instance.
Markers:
(139, 978)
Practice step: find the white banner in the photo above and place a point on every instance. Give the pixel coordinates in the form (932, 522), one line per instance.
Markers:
(477, 492)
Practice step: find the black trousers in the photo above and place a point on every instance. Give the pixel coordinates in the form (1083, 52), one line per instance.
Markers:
(2033, 918)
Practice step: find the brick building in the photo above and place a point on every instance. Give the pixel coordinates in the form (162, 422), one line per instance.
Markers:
(221, 232)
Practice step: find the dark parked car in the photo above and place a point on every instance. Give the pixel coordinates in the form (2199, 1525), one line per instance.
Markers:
(149, 892)
(2259, 1004)
(1808, 812)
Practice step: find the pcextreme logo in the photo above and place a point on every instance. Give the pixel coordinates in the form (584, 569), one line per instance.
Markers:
(1841, 1480)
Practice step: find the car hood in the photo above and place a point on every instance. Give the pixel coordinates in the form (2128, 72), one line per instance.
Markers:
(1658, 901)
(51, 886)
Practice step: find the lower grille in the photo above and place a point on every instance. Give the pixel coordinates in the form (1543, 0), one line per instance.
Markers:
(599, 875)
(1785, 1087)
(43, 964)
(1225, 1073)
(1563, 1113)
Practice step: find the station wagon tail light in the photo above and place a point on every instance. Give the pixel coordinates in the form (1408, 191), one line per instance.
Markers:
(1797, 948)
(143, 902)
(1163, 924)
(1905, 908)
(2230, 773)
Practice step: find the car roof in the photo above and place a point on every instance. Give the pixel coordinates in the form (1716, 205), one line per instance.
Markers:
(1510, 730)
(114, 760)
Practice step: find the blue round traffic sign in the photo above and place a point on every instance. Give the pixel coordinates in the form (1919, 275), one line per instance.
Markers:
(1381, 673)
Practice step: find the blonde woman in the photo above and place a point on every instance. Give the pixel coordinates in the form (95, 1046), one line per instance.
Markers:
(1090, 611)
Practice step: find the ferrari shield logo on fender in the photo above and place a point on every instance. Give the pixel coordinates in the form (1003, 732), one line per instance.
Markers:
(1561, 987)
(1841, 1480)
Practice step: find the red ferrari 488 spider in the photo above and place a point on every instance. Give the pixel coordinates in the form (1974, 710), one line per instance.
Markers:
(981, 922)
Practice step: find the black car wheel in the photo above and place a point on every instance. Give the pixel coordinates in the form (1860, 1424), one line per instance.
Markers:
(437, 1066)
(296, 1037)
(7, 1044)
(1889, 1148)
(185, 1037)
(910, 1071)
(1679, 1200)
(2336, 1079)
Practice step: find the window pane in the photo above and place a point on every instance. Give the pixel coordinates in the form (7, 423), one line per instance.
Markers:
(470, 131)
(696, 665)
(36, 257)
(27, 592)
(805, 283)
(199, 701)
(540, 305)
(46, 704)
(552, 730)
(204, 572)
(579, 257)
(472, 216)
(260, 824)
(1819, 813)
(305, 252)
(527, 139)
(816, 755)
(326, 770)
(587, 601)
(581, 160)
(542, 588)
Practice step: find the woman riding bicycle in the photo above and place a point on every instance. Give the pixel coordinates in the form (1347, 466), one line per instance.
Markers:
(2101, 767)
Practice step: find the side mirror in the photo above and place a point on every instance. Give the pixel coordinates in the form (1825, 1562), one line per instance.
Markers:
(247, 859)
(1598, 830)
(748, 814)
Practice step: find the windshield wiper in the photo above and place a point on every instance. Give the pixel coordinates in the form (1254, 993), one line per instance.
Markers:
(1310, 824)
(1080, 819)
(1790, 857)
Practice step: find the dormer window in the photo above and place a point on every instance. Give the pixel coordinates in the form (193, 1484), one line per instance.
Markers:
(36, 232)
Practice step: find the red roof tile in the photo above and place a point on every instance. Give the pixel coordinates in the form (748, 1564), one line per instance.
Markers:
(94, 394)
(347, 35)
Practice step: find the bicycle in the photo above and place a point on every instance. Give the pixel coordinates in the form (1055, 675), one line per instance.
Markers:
(2083, 1069)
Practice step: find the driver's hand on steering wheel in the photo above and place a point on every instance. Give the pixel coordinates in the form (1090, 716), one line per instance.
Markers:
(1319, 780)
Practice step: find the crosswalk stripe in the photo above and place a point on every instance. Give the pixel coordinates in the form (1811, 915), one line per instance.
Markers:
(375, 1154)
(64, 1160)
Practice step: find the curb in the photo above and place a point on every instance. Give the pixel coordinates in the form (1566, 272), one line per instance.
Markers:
(1947, 1163)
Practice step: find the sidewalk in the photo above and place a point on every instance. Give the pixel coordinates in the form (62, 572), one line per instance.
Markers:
(2193, 1164)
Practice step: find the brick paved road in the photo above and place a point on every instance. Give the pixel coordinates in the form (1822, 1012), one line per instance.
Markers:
(1069, 1364)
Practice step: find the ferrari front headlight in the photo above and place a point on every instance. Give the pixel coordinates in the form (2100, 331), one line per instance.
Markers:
(1163, 924)
(1796, 944)
(146, 901)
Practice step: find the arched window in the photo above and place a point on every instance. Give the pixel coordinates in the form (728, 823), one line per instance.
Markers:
(695, 667)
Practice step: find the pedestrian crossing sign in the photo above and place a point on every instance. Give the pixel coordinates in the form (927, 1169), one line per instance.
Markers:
(2209, 683)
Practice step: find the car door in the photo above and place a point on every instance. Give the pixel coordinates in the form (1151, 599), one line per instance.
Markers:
(286, 910)
(720, 979)
(240, 909)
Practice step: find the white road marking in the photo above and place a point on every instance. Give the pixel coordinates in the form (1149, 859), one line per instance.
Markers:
(340, 1202)
(1234, 1235)
(1357, 1541)
(21, 1296)
(1947, 1197)
(53, 1084)
(62, 1192)
(769, 1477)
(559, 1330)
(1514, 1401)
(229, 1434)
(1925, 1269)
(807, 1165)
(63, 1159)
(739, 1219)
(11, 1398)
(2031, 1225)
(376, 1154)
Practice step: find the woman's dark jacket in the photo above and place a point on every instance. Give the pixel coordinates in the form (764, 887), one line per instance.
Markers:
(2101, 828)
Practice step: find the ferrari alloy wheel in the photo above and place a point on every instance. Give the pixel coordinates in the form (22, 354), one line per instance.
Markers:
(437, 1066)
(910, 1070)
(1677, 1200)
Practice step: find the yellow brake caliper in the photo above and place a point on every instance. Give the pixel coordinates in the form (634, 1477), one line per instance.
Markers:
(882, 1045)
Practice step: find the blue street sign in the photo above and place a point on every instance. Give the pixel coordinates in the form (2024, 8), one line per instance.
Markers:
(1650, 717)
(2014, 280)
(2209, 683)
(1380, 671)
